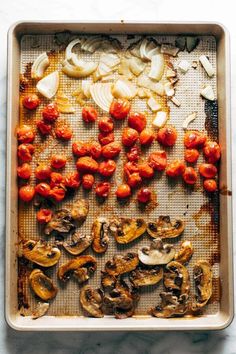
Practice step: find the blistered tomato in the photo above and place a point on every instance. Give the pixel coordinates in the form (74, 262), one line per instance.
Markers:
(106, 138)
(57, 193)
(26, 193)
(111, 150)
(44, 216)
(105, 125)
(63, 133)
(120, 108)
(210, 185)
(25, 152)
(130, 167)
(107, 168)
(72, 180)
(191, 155)
(146, 137)
(24, 171)
(175, 168)
(103, 189)
(31, 101)
(129, 136)
(190, 175)
(167, 136)
(145, 170)
(43, 189)
(207, 170)
(44, 128)
(89, 114)
(80, 148)
(87, 164)
(123, 191)
(58, 161)
(25, 134)
(144, 195)
(95, 150)
(50, 113)
(134, 180)
(194, 139)
(133, 154)
(56, 180)
(158, 160)
(212, 151)
(137, 121)
(88, 181)
(43, 172)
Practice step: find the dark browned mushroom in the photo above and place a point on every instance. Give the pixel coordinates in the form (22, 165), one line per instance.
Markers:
(80, 267)
(100, 235)
(126, 230)
(108, 281)
(185, 253)
(79, 243)
(176, 278)
(40, 310)
(171, 306)
(79, 210)
(61, 222)
(42, 285)
(144, 275)
(202, 274)
(91, 301)
(165, 228)
(122, 264)
(41, 253)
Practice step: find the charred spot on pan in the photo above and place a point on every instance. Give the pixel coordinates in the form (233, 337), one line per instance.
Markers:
(211, 122)
(62, 38)
(24, 83)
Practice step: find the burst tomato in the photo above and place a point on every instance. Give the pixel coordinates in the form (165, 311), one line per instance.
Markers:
(57, 193)
(123, 191)
(24, 171)
(158, 160)
(25, 152)
(63, 132)
(111, 150)
(106, 138)
(191, 155)
(58, 161)
(89, 114)
(103, 189)
(194, 139)
(146, 137)
(26, 193)
(134, 180)
(129, 136)
(212, 151)
(50, 113)
(44, 128)
(145, 170)
(207, 170)
(25, 134)
(43, 189)
(88, 181)
(190, 175)
(144, 195)
(210, 185)
(80, 148)
(95, 150)
(167, 136)
(72, 180)
(130, 167)
(105, 125)
(44, 216)
(87, 164)
(43, 172)
(56, 180)
(175, 168)
(133, 154)
(137, 121)
(107, 168)
(31, 101)
(120, 108)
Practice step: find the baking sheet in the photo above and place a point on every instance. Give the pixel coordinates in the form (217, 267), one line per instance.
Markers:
(191, 204)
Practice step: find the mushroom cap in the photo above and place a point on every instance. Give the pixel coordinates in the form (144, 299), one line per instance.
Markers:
(203, 280)
(144, 276)
(80, 243)
(165, 228)
(91, 301)
(100, 237)
(41, 253)
(126, 230)
(80, 267)
(122, 264)
(185, 253)
(157, 253)
(42, 285)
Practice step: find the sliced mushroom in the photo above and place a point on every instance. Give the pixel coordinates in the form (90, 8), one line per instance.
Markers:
(176, 278)
(41, 285)
(108, 281)
(80, 243)
(41, 253)
(100, 235)
(40, 310)
(61, 222)
(91, 301)
(185, 253)
(122, 264)
(126, 230)
(157, 253)
(202, 274)
(165, 228)
(80, 267)
(80, 210)
(171, 306)
(143, 276)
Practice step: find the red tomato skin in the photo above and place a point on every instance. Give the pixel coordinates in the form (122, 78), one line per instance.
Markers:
(137, 121)
(145, 170)
(57, 194)
(210, 185)
(190, 176)
(26, 193)
(129, 136)
(88, 181)
(111, 150)
(44, 216)
(44, 128)
(56, 180)
(103, 189)
(63, 133)
(50, 113)
(120, 109)
(167, 136)
(25, 134)
(212, 151)
(89, 114)
(106, 138)
(175, 168)
(207, 170)
(80, 148)
(134, 154)
(158, 160)
(25, 152)
(191, 155)
(144, 195)
(123, 191)
(43, 172)
(107, 168)
(95, 150)
(24, 171)
(146, 137)
(105, 125)
(72, 180)
(31, 102)
(58, 161)
(43, 189)
(194, 139)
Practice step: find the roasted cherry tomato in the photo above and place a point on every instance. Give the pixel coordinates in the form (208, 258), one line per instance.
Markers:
(43, 189)
(63, 133)
(134, 180)
(146, 137)
(95, 150)
(130, 167)
(120, 108)
(144, 195)
(210, 185)
(87, 164)
(107, 168)
(111, 150)
(58, 161)
(212, 151)
(190, 175)
(137, 121)
(89, 114)
(158, 160)
(105, 125)
(80, 148)
(191, 155)
(44, 216)
(31, 101)
(72, 180)
(26, 193)
(24, 171)
(129, 136)
(175, 168)
(106, 138)
(25, 134)
(103, 189)
(123, 191)
(167, 136)
(44, 128)
(145, 170)
(43, 172)
(207, 170)
(57, 193)
(56, 180)
(88, 181)
(194, 139)
(50, 113)
(25, 152)
(133, 154)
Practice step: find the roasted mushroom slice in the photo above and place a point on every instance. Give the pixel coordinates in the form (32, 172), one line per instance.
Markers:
(61, 222)
(91, 301)
(40, 310)
(165, 228)
(122, 264)
(176, 278)
(202, 274)
(171, 306)
(100, 235)
(108, 281)
(41, 285)
(79, 243)
(144, 275)
(157, 253)
(126, 230)
(79, 210)
(185, 253)
(41, 253)
(80, 267)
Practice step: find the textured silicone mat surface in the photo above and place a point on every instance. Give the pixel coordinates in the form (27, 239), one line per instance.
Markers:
(175, 199)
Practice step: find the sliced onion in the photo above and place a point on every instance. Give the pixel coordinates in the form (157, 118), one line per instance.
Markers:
(124, 69)
(160, 119)
(188, 120)
(175, 101)
(39, 66)
(134, 48)
(153, 52)
(157, 67)
(147, 49)
(184, 66)
(207, 65)
(208, 93)
(110, 59)
(170, 73)
(63, 103)
(124, 89)
(70, 46)
(101, 94)
(156, 87)
(73, 71)
(169, 89)
(79, 63)
(143, 93)
(99, 42)
(136, 66)
(153, 104)
(85, 86)
(48, 86)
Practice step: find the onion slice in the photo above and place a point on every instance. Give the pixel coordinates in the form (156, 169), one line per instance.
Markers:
(153, 104)
(85, 86)
(101, 94)
(69, 48)
(79, 72)
(157, 67)
(110, 59)
(157, 87)
(207, 65)
(124, 89)
(39, 66)
(160, 120)
(136, 66)
(208, 93)
(63, 103)
(188, 120)
(48, 86)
